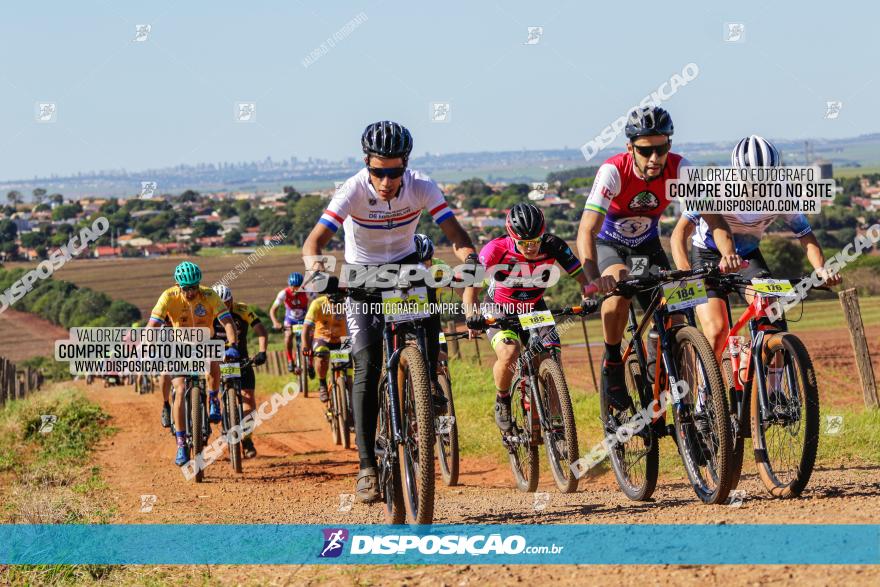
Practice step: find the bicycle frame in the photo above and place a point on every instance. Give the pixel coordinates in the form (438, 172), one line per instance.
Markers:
(662, 318)
(757, 309)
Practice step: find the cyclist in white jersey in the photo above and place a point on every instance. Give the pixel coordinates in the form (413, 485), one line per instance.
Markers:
(379, 210)
(747, 230)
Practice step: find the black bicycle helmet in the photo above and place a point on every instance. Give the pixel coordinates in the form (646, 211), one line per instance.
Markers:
(424, 247)
(525, 222)
(387, 139)
(647, 121)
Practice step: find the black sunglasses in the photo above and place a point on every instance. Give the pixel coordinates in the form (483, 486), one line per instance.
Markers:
(646, 151)
(389, 172)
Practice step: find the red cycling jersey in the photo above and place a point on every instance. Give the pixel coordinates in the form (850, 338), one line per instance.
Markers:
(632, 206)
(296, 303)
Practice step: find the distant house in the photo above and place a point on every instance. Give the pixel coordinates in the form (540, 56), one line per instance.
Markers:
(102, 252)
(210, 241)
(249, 238)
(145, 213)
(231, 223)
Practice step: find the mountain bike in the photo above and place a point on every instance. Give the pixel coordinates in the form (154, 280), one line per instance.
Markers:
(143, 383)
(772, 383)
(233, 409)
(446, 426)
(339, 412)
(405, 435)
(687, 380)
(196, 425)
(541, 410)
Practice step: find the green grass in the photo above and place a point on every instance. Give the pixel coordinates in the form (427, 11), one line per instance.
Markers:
(474, 394)
(223, 251)
(52, 480)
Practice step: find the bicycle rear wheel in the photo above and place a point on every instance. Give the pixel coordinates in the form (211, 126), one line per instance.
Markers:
(303, 372)
(786, 435)
(342, 408)
(417, 425)
(389, 468)
(560, 437)
(702, 421)
(232, 418)
(635, 460)
(447, 439)
(197, 410)
(522, 452)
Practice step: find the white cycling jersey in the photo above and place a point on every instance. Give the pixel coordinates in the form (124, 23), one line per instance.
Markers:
(747, 229)
(377, 231)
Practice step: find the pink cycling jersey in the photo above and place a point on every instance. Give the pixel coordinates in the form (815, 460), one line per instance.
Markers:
(502, 251)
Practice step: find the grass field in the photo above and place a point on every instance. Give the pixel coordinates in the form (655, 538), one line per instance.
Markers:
(473, 389)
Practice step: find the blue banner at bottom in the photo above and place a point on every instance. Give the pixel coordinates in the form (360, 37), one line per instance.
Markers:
(441, 544)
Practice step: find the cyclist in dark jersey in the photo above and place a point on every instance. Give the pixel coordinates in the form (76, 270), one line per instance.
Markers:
(243, 318)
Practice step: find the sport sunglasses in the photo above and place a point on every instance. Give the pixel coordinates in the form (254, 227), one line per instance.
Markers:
(389, 172)
(529, 242)
(647, 150)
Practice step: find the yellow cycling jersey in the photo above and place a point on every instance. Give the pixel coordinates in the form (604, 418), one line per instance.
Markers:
(329, 326)
(200, 312)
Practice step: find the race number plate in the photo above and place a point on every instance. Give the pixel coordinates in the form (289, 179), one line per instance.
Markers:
(296, 328)
(442, 338)
(340, 356)
(230, 370)
(685, 294)
(536, 319)
(400, 307)
(773, 287)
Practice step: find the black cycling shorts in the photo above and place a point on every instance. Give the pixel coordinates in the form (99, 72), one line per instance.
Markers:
(639, 260)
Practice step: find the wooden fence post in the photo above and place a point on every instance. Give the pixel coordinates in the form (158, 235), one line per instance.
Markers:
(450, 327)
(849, 299)
(589, 352)
(477, 347)
(2, 381)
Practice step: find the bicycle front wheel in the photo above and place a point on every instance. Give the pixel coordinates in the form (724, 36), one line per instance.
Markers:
(341, 410)
(786, 433)
(702, 419)
(560, 431)
(196, 415)
(417, 425)
(233, 440)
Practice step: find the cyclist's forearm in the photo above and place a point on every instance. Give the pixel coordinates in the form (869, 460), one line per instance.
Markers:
(231, 334)
(678, 244)
(262, 337)
(307, 335)
(591, 222)
(813, 250)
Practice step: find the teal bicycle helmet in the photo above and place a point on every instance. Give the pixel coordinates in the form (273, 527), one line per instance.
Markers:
(187, 274)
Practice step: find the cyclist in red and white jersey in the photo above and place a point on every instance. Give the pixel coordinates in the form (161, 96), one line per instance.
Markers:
(296, 303)
(620, 223)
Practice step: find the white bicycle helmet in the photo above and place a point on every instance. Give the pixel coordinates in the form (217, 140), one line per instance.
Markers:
(755, 151)
(224, 292)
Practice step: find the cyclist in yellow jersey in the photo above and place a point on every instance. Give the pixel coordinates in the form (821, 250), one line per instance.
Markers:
(189, 305)
(323, 330)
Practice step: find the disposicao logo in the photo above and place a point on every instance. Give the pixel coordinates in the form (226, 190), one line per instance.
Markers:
(334, 542)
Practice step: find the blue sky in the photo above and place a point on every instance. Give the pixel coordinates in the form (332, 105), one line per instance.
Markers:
(171, 99)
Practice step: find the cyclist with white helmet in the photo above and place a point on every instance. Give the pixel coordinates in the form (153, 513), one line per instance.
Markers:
(296, 304)
(619, 231)
(379, 208)
(747, 231)
(243, 319)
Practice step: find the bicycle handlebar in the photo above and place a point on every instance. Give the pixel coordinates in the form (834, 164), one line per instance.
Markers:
(508, 320)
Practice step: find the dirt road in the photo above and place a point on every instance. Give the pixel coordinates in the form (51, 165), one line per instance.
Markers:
(299, 476)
